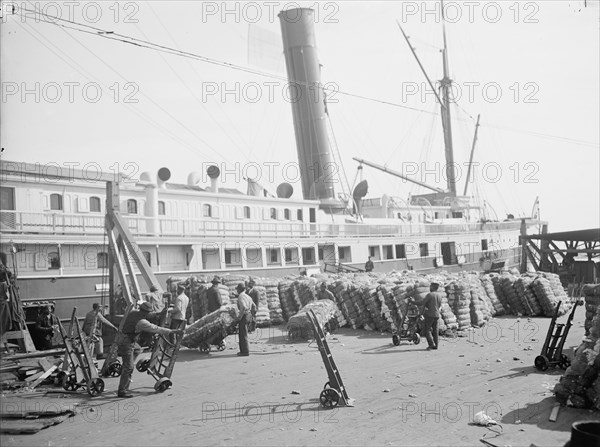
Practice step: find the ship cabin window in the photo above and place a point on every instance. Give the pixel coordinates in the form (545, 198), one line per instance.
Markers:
(308, 255)
(56, 202)
(273, 213)
(273, 255)
(246, 212)
(131, 206)
(388, 251)
(95, 205)
(233, 258)
(436, 215)
(449, 253)
(457, 214)
(320, 254)
(400, 251)
(299, 215)
(207, 210)
(484, 244)
(53, 260)
(372, 251)
(3, 258)
(291, 256)
(344, 254)
(102, 260)
(286, 214)
(148, 257)
(162, 211)
(424, 249)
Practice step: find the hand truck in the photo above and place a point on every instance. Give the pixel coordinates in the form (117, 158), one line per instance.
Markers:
(79, 369)
(112, 367)
(334, 391)
(552, 351)
(409, 325)
(162, 360)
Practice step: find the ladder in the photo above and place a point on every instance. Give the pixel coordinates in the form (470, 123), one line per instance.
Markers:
(334, 391)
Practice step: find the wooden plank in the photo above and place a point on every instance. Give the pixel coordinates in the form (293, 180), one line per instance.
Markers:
(31, 355)
(554, 412)
(43, 376)
(34, 377)
(44, 363)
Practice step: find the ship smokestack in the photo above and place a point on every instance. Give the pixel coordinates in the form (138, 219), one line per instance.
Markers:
(308, 106)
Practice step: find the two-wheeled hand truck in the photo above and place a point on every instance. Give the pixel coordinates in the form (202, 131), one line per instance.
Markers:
(552, 351)
(409, 325)
(162, 360)
(334, 391)
(79, 369)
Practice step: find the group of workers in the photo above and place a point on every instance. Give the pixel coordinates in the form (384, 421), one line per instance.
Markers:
(154, 309)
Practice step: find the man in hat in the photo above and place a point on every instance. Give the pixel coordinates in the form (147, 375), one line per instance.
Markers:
(247, 311)
(369, 265)
(155, 299)
(252, 292)
(44, 328)
(180, 305)
(135, 323)
(213, 295)
(92, 326)
(431, 314)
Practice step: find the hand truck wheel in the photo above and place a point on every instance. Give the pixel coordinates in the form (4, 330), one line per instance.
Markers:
(115, 369)
(396, 340)
(204, 348)
(416, 339)
(70, 383)
(95, 387)
(564, 361)
(162, 384)
(142, 365)
(541, 362)
(221, 346)
(329, 398)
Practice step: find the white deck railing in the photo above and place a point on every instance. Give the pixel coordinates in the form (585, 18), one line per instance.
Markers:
(17, 222)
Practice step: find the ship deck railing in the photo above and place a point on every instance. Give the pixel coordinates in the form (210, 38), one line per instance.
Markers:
(18, 222)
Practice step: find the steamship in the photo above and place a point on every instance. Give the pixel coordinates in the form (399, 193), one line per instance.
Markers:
(53, 232)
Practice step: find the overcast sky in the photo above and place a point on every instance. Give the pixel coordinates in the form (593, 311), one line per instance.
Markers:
(531, 69)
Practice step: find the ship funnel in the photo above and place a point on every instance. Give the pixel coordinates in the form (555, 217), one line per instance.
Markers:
(214, 172)
(194, 178)
(147, 177)
(285, 191)
(163, 176)
(308, 106)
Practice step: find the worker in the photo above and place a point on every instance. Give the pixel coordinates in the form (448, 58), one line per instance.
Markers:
(369, 265)
(324, 293)
(45, 326)
(431, 313)
(252, 291)
(213, 295)
(247, 312)
(92, 326)
(135, 323)
(180, 304)
(155, 300)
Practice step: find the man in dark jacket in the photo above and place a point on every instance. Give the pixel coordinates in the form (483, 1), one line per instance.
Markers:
(213, 295)
(135, 323)
(369, 265)
(44, 329)
(431, 313)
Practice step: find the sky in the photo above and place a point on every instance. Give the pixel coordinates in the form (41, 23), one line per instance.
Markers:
(530, 69)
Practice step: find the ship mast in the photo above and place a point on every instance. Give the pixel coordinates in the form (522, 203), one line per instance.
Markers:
(445, 86)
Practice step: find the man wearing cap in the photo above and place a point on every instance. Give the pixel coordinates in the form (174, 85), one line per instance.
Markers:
(247, 311)
(92, 326)
(135, 323)
(431, 314)
(213, 295)
(180, 304)
(325, 294)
